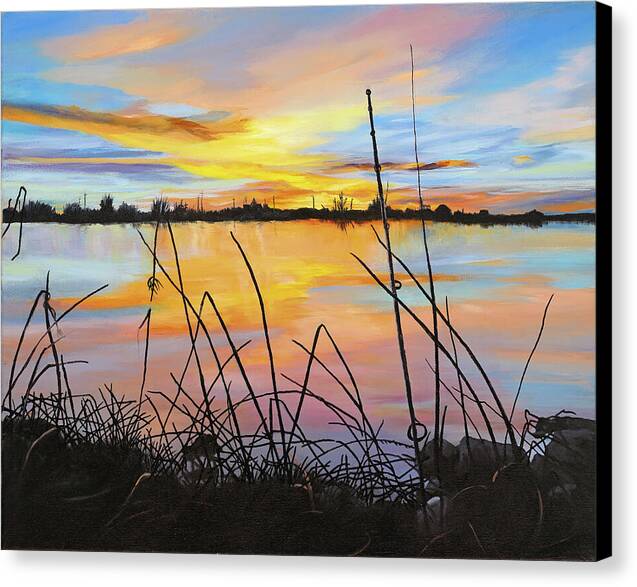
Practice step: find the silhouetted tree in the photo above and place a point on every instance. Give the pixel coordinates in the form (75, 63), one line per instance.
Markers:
(107, 211)
(181, 211)
(73, 212)
(443, 212)
(374, 207)
(127, 212)
(38, 211)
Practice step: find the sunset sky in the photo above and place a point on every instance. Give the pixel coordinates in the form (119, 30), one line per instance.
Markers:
(259, 102)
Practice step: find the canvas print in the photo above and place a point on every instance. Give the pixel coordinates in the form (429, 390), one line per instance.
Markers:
(307, 280)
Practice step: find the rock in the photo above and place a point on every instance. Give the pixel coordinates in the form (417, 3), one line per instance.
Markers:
(566, 476)
(437, 513)
(203, 446)
(569, 459)
(448, 461)
(482, 458)
(545, 426)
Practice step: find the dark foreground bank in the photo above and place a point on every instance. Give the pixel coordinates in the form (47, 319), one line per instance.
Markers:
(61, 495)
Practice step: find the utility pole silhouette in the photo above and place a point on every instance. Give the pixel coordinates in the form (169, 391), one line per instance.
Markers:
(84, 199)
(313, 206)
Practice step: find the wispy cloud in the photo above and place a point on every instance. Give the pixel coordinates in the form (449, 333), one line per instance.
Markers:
(150, 31)
(353, 166)
(559, 108)
(117, 126)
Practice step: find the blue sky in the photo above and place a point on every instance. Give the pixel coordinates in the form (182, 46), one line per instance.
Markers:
(262, 102)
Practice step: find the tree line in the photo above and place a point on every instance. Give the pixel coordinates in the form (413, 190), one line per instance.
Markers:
(342, 209)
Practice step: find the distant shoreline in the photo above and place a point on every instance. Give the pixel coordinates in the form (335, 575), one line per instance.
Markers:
(35, 213)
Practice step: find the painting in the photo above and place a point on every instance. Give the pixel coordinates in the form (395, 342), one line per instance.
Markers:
(308, 281)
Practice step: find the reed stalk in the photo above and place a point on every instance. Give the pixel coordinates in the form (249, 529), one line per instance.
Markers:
(392, 280)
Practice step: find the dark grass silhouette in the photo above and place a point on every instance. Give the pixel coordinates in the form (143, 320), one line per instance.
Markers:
(17, 212)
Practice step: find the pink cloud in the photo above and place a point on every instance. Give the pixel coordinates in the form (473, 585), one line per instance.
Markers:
(153, 30)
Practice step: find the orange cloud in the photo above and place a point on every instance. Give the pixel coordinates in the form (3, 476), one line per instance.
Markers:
(151, 31)
(582, 205)
(449, 163)
(116, 127)
(391, 165)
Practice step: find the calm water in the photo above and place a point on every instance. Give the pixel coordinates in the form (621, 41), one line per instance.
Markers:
(497, 281)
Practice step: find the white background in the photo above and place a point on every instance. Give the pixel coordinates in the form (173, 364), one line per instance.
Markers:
(97, 570)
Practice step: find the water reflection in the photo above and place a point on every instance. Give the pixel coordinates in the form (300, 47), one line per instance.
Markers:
(497, 281)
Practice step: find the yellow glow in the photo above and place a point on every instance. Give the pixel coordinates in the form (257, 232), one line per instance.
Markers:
(580, 133)
(522, 159)
(265, 150)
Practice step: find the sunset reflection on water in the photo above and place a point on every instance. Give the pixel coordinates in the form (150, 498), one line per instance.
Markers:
(497, 281)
